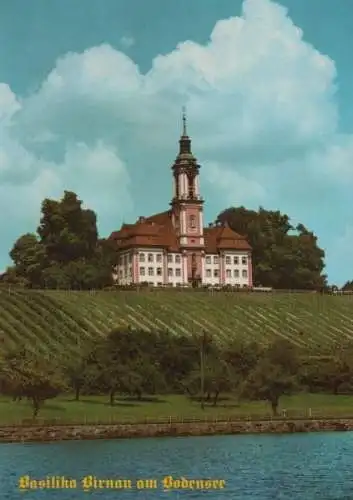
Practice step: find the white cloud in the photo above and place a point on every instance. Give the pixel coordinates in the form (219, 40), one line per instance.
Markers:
(262, 110)
(237, 188)
(127, 41)
(8, 104)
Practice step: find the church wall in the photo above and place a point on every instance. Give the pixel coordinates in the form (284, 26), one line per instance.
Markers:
(151, 266)
(174, 269)
(235, 268)
(123, 270)
(211, 269)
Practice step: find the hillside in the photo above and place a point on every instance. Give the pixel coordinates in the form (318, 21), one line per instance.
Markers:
(61, 321)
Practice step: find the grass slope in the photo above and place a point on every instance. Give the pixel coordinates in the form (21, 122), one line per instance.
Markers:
(61, 321)
(96, 409)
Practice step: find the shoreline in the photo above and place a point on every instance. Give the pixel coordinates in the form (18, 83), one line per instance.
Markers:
(54, 433)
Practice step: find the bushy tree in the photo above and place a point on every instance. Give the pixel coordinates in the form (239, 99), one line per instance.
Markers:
(284, 256)
(67, 252)
(24, 374)
(274, 375)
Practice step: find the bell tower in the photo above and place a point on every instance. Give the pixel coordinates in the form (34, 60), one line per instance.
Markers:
(187, 205)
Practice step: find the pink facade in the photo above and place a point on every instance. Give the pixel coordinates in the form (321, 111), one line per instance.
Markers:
(194, 259)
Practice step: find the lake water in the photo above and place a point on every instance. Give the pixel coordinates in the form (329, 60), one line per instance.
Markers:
(293, 466)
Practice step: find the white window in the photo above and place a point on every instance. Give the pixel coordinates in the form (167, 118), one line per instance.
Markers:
(208, 273)
(228, 273)
(178, 272)
(243, 260)
(236, 261)
(142, 257)
(177, 259)
(170, 271)
(228, 261)
(215, 260)
(208, 260)
(236, 273)
(244, 273)
(159, 271)
(159, 257)
(192, 221)
(142, 271)
(170, 257)
(215, 273)
(150, 257)
(150, 271)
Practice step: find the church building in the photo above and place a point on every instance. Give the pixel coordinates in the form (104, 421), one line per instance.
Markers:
(173, 248)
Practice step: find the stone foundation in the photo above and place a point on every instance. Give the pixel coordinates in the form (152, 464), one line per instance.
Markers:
(37, 433)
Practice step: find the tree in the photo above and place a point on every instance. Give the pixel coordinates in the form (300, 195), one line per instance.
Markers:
(29, 257)
(283, 257)
(348, 286)
(23, 374)
(274, 375)
(268, 382)
(323, 375)
(242, 357)
(177, 357)
(67, 231)
(79, 371)
(217, 379)
(68, 253)
(123, 366)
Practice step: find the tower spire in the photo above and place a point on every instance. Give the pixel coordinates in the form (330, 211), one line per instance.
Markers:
(184, 122)
(184, 141)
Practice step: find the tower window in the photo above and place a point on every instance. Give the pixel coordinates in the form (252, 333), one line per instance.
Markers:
(191, 190)
(176, 180)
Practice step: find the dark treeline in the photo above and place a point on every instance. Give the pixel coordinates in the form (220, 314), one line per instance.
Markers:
(137, 363)
(66, 252)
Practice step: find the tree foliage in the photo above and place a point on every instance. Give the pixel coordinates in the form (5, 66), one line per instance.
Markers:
(23, 374)
(284, 257)
(274, 374)
(134, 363)
(66, 252)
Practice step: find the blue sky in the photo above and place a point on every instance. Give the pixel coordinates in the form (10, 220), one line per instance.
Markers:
(91, 94)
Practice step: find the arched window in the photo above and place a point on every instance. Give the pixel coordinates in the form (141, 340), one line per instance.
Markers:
(191, 182)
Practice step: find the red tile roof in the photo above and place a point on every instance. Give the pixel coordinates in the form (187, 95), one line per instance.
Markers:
(223, 238)
(158, 231)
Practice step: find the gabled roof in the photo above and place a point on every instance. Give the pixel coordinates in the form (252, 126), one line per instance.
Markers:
(224, 238)
(158, 231)
(154, 231)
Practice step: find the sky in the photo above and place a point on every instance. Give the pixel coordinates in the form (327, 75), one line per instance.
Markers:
(91, 94)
